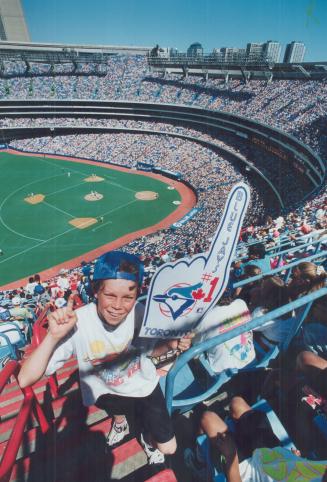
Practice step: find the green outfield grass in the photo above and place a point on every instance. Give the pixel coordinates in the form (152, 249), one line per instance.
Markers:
(37, 237)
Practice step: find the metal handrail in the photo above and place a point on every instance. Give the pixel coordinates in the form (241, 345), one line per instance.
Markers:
(286, 267)
(196, 350)
(30, 402)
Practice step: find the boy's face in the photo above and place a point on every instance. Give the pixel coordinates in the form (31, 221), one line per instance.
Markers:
(116, 298)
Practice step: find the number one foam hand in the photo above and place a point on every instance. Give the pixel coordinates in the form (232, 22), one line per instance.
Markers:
(181, 293)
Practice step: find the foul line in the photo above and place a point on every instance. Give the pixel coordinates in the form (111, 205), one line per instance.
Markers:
(36, 245)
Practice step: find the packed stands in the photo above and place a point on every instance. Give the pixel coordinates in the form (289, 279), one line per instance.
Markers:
(288, 247)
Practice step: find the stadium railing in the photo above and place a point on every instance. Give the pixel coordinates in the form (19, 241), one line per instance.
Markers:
(39, 332)
(285, 270)
(29, 404)
(181, 362)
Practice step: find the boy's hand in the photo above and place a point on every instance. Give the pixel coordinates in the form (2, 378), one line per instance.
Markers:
(62, 321)
(183, 343)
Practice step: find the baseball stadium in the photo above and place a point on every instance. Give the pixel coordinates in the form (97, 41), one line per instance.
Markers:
(127, 148)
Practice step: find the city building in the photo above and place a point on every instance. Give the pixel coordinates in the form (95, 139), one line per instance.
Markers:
(294, 52)
(13, 26)
(272, 50)
(195, 50)
(255, 51)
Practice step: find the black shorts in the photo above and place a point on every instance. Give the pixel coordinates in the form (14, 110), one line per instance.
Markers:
(253, 431)
(150, 412)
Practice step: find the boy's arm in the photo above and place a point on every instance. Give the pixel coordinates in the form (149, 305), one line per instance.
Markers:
(61, 322)
(35, 365)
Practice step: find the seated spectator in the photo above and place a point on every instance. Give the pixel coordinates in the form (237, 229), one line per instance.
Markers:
(257, 256)
(244, 292)
(235, 353)
(252, 452)
(271, 294)
(20, 314)
(29, 288)
(63, 281)
(306, 278)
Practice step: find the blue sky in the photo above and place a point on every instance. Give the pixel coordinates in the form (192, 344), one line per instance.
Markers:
(178, 23)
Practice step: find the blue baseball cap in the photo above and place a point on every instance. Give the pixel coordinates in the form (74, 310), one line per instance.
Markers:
(108, 266)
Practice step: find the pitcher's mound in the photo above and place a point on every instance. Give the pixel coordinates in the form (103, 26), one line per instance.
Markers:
(82, 223)
(146, 195)
(34, 199)
(93, 196)
(94, 178)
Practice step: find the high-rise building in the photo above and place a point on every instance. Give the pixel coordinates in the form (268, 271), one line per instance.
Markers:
(272, 50)
(12, 21)
(255, 51)
(294, 52)
(195, 50)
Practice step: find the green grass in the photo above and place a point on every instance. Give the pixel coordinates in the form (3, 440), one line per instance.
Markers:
(37, 237)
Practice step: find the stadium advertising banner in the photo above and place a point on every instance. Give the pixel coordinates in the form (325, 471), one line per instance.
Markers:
(144, 166)
(181, 293)
(186, 218)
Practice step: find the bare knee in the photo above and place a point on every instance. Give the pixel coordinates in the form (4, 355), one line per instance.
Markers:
(212, 424)
(307, 359)
(238, 406)
(168, 448)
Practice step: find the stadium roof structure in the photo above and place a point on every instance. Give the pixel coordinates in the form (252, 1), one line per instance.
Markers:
(246, 67)
(61, 54)
(37, 49)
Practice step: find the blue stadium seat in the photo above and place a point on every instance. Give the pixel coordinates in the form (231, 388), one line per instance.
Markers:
(275, 423)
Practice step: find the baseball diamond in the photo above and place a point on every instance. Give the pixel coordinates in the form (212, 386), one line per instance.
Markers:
(46, 218)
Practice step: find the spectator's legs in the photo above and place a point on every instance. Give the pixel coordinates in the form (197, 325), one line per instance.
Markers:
(212, 425)
(238, 407)
(307, 360)
(315, 367)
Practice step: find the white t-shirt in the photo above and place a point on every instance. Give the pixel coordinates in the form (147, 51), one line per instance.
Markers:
(280, 464)
(63, 283)
(275, 330)
(235, 353)
(107, 361)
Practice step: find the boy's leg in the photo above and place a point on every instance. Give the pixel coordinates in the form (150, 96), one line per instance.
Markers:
(121, 409)
(238, 407)
(159, 432)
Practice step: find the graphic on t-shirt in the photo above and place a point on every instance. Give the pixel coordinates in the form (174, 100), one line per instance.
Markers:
(243, 349)
(120, 369)
(99, 352)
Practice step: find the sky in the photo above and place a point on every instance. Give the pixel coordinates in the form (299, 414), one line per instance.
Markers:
(178, 23)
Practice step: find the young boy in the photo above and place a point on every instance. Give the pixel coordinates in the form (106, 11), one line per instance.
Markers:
(115, 370)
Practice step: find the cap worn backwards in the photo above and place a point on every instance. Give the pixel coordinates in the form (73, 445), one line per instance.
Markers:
(108, 266)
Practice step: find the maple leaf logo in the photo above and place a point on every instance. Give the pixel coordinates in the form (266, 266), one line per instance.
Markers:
(198, 294)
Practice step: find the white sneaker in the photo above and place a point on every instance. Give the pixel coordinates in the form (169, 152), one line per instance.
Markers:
(117, 433)
(154, 455)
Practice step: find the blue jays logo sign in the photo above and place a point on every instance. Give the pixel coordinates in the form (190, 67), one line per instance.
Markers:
(181, 293)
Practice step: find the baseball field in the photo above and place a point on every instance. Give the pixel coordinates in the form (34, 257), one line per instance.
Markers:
(55, 211)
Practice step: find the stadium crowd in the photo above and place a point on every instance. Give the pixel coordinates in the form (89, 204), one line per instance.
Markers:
(212, 175)
(128, 77)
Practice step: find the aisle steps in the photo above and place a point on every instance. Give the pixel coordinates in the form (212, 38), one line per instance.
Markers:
(75, 450)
